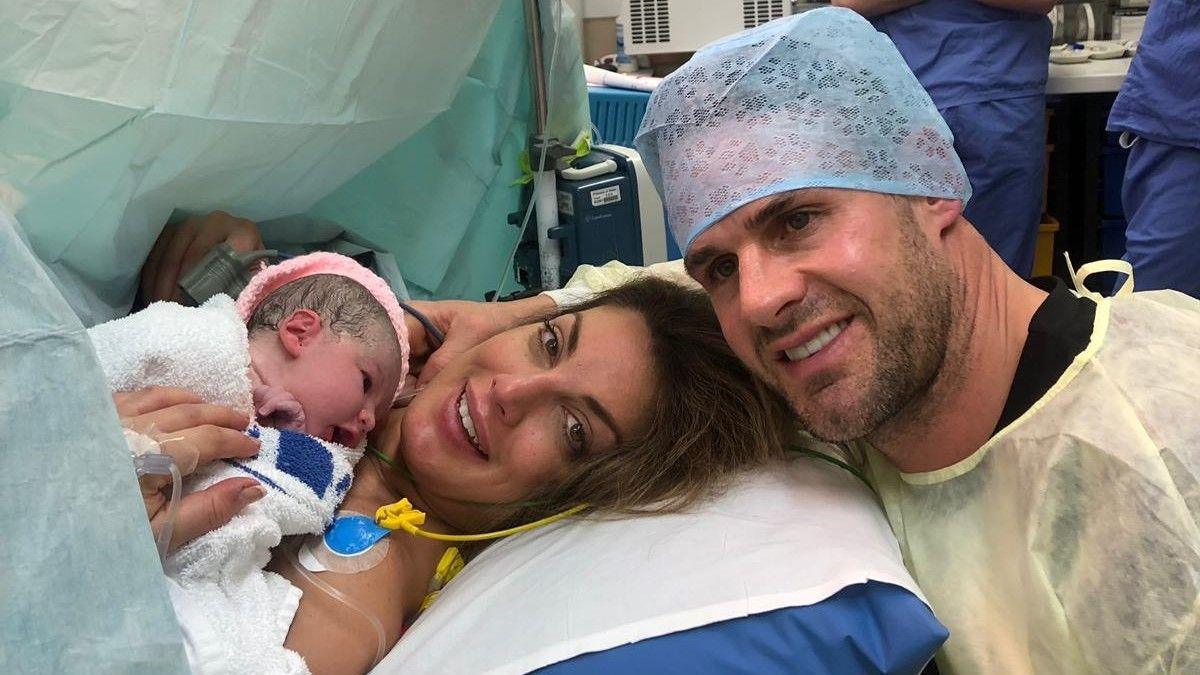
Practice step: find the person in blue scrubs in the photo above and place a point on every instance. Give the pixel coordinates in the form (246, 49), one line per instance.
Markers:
(984, 65)
(1158, 113)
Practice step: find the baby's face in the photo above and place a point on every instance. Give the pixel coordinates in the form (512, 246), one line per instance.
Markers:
(343, 386)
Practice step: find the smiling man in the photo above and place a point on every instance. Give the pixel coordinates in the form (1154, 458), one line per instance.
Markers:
(1033, 447)
(1037, 450)
(837, 298)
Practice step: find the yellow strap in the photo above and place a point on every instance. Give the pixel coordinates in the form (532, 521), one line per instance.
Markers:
(402, 516)
(428, 600)
(582, 146)
(1120, 266)
(447, 568)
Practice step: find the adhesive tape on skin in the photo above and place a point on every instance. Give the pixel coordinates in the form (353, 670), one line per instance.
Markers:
(148, 440)
(139, 444)
(353, 543)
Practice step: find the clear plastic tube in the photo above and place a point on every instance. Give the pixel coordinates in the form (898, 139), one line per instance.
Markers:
(381, 635)
(156, 464)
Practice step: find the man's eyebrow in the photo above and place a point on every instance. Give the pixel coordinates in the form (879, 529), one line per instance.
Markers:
(698, 258)
(605, 416)
(776, 207)
(573, 336)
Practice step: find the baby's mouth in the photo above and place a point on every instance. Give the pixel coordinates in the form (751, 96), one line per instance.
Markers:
(344, 437)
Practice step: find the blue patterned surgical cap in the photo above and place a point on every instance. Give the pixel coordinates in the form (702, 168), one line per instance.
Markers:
(820, 99)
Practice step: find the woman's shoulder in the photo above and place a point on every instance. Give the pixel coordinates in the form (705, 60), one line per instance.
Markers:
(347, 620)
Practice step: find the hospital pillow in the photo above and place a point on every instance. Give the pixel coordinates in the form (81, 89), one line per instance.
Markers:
(793, 569)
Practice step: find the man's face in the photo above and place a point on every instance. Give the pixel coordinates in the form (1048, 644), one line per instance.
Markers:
(838, 298)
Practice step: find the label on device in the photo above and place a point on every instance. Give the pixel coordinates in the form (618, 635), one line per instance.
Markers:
(608, 195)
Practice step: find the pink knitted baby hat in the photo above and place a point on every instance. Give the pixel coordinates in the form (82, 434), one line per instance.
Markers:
(274, 277)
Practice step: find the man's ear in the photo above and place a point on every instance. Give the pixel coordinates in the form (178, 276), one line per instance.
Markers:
(300, 330)
(939, 214)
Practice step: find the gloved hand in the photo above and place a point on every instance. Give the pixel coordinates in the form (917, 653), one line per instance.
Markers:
(277, 408)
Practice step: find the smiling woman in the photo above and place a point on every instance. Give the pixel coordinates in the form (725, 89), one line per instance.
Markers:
(522, 409)
(631, 403)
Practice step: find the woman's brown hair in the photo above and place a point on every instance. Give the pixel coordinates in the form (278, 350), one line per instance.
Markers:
(711, 416)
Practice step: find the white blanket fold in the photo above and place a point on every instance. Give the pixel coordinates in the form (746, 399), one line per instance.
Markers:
(201, 349)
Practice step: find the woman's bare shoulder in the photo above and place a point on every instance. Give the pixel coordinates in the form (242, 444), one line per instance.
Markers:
(333, 636)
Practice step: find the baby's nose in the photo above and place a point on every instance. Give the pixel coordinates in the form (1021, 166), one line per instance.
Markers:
(366, 420)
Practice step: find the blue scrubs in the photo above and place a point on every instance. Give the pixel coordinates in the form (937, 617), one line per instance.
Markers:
(1159, 105)
(985, 69)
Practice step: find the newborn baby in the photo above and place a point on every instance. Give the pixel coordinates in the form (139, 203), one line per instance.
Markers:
(324, 356)
(315, 349)
(317, 344)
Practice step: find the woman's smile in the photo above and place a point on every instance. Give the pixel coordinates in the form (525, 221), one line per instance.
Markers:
(459, 426)
(468, 422)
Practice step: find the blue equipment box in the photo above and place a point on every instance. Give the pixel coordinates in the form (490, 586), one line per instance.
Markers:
(598, 217)
(608, 210)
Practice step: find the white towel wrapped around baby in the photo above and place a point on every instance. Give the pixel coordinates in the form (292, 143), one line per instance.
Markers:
(233, 613)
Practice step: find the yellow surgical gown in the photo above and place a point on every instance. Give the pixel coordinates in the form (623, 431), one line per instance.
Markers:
(1069, 542)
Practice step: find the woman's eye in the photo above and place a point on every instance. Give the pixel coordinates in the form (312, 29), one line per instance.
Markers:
(576, 434)
(549, 339)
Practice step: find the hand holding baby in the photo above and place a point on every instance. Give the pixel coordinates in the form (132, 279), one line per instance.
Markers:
(202, 433)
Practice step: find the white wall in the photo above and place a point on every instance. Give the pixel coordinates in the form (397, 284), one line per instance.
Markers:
(593, 9)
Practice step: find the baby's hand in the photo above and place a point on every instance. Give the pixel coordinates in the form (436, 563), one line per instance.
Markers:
(278, 408)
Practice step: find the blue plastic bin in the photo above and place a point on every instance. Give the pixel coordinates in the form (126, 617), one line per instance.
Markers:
(617, 113)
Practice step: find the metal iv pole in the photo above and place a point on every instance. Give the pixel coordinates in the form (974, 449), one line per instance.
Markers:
(544, 154)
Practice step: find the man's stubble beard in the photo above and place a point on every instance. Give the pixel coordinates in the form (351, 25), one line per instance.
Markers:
(910, 345)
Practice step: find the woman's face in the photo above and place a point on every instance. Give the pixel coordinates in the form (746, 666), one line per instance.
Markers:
(503, 419)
